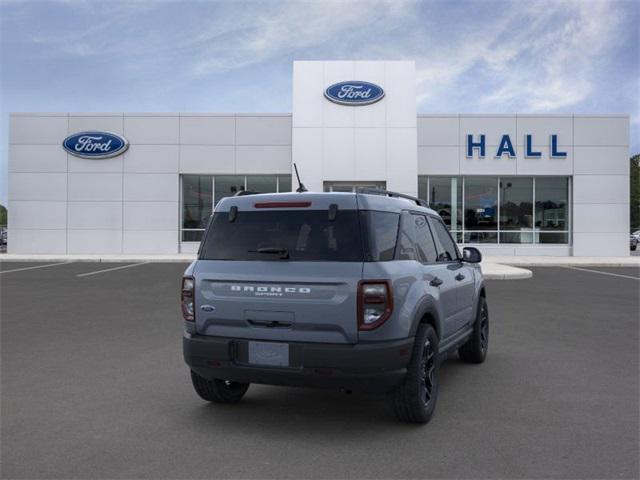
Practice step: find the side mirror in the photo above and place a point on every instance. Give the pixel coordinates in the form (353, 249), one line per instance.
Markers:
(471, 255)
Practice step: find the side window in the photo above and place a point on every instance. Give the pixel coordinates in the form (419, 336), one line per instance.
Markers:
(415, 241)
(447, 249)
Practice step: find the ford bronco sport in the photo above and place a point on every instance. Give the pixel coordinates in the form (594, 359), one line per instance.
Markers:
(354, 291)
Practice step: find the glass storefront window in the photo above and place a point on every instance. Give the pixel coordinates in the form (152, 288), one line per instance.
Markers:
(200, 193)
(480, 204)
(262, 183)
(552, 198)
(227, 186)
(505, 210)
(196, 205)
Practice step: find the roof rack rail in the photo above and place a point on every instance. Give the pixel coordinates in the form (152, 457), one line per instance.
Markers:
(377, 191)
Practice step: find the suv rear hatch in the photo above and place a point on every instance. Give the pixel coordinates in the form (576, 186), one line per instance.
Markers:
(282, 268)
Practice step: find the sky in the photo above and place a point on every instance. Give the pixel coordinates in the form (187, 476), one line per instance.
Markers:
(231, 56)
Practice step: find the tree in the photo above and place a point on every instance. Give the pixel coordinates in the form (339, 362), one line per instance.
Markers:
(3, 215)
(634, 175)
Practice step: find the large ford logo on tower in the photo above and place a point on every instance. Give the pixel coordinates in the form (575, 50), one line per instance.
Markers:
(354, 93)
(95, 144)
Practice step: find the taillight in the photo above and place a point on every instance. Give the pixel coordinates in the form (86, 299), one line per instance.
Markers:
(186, 299)
(375, 303)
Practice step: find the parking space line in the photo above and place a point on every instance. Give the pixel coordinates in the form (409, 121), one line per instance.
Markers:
(33, 268)
(604, 273)
(111, 269)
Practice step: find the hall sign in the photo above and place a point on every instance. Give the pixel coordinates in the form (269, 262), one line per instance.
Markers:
(354, 93)
(478, 144)
(95, 145)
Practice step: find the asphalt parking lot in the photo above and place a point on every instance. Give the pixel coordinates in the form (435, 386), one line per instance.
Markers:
(94, 386)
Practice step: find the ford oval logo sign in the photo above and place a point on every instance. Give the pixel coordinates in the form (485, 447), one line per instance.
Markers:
(354, 93)
(95, 144)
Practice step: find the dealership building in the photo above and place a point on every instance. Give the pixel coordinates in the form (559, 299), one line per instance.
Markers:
(511, 184)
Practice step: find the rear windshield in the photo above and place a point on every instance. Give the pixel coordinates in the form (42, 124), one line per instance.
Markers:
(304, 235)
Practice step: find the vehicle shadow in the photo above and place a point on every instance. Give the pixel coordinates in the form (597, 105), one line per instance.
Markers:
(286, 410)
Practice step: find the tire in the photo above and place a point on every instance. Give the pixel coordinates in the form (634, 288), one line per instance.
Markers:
(218, 391)
(633, 248)
(414, 401)
(475, 349)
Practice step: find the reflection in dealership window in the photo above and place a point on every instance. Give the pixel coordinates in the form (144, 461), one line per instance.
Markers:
(551, 203)
(481, 208)
(196, 205)
(516, 210)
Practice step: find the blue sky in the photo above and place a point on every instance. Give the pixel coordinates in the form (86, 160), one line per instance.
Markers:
(230, 56)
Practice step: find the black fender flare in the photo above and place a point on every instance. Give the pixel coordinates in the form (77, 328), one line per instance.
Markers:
(427, 306)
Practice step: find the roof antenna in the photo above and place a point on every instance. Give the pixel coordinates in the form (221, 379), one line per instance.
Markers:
(301, 188)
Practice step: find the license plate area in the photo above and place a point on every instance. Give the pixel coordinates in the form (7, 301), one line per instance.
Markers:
(269, 354)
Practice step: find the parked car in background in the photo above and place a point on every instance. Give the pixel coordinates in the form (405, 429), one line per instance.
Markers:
(636, 234)
(633, 242)
(350, 291)
(3, 235)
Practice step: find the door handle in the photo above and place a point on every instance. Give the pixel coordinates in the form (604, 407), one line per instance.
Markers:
(436, 282)
(459, 277)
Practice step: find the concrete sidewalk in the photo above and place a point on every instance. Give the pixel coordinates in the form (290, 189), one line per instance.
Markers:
(543, 261)
(491, 269)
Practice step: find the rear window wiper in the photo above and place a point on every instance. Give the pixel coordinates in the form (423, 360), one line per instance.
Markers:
(283, 252)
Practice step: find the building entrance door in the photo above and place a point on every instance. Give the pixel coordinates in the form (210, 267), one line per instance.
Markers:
(352, 186)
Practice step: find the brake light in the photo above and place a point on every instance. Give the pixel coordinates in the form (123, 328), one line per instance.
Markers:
(186, 299)
(375, 303)
(282, 204)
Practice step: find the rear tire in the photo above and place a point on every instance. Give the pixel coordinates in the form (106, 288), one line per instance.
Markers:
(475, 349)
(218, 391)
(415, 399)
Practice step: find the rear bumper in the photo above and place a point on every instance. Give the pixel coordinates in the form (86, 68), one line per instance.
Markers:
(369, 367)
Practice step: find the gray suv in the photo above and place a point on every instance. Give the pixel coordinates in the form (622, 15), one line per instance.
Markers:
(353, 291)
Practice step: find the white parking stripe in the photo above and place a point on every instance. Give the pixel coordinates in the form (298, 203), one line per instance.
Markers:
(110, 269)
(604, 273)
(33, 268)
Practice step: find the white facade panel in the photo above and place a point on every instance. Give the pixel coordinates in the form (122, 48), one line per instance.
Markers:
(108, 123)
(95, 215)
(152, 159)
(338, 153)
(601, 218)
(95, 187)
(542, 127)
(601, 130)
(91, 241)
(150, 215)
(370, 154)
(439, 160)
(207, 158)
(150, 187)
(207, 130)
(601, 160)
(38, 129)
(400, 88)
(38, 186)
(40, 241)
(152, 130)
(263, 130)
(150, 241)
(263, 159)
(34, 215)
(402, 162)
(493, 127)
(105, 165)
(306, 151)
(545, 165)
(604, 244)
(308, 99)
(439, 131)
(487, 166)
(37, 158)
(601, 189)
